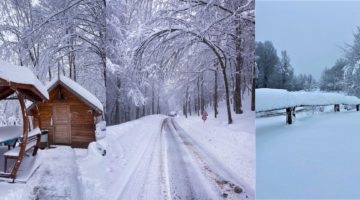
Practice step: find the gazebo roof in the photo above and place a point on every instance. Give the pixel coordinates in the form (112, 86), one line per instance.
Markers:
(22, 79)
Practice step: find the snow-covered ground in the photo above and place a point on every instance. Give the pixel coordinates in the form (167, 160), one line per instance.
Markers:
(154, 157)
(316, 157)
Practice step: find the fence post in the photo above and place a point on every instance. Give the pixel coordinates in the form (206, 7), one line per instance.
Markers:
(336, 108)
(288, 116)
(357, 107)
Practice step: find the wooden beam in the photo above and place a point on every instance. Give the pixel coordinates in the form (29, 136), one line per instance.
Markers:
(24, 137)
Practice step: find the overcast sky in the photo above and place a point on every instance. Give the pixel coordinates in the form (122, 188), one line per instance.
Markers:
(312, 32)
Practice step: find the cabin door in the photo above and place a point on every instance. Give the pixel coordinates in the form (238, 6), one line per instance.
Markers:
(61, 123)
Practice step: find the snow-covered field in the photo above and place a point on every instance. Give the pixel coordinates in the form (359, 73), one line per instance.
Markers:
(316, 157)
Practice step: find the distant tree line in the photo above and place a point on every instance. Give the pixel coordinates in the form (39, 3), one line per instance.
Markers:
(274, 71)
(345, 74)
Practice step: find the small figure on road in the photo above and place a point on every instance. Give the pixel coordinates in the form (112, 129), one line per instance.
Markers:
(204, 115)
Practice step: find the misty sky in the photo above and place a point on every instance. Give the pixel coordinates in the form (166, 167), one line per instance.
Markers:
(311, 32)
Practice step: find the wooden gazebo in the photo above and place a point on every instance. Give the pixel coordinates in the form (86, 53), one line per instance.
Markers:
(21, 83)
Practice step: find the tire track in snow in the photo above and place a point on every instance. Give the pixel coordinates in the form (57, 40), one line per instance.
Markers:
(136, 181)
(185, 177)
(178, 176)
(165, 184)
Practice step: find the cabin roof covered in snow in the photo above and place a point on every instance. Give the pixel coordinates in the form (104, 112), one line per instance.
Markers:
(18, 75)
(77, 89)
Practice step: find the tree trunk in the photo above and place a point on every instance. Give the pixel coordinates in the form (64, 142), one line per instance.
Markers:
(144, 106)
(184, 110)
(202, 100)
(238, 69)
(186, 100)
(253, 90)
(158, 104)
(117, 112)
(216, 95)
(198, 96)
(153, 100)
(227, 93)
(195, 106)
(137, 112)
(189, 106)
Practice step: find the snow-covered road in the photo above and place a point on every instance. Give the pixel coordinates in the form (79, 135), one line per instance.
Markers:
(173, 166)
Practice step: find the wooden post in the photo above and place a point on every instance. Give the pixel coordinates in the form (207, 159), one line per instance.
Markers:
(336, 108)
(24, 137)
(357, 107)
(37, 115)
(288, 116)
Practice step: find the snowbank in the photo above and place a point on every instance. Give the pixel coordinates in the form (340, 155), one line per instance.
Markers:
(271, 99)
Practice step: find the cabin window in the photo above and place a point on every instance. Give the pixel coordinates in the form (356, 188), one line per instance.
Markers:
(60, 95)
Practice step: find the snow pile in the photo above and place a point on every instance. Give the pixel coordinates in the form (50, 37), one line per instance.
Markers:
(271, 99)
(100, 131)
(21, 75)
(78, 89)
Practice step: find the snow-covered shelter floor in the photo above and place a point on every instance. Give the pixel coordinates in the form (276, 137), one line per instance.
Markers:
(55, 177)
(28, 165)
(317, 157)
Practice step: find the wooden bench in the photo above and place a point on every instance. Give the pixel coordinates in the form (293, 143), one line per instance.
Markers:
(33, 141)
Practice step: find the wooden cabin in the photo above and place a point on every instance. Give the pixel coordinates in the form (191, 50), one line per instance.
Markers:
(69, 115)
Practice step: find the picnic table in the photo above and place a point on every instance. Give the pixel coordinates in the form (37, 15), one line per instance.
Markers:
(10, 133)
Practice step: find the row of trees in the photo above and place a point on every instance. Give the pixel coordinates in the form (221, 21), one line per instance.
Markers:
(277, 72)
(163, 55)
(345, 74)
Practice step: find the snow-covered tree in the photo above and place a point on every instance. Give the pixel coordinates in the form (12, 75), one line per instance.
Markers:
(166, 50)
